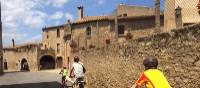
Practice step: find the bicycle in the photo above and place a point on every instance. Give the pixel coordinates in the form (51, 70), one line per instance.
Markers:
(78, 83)
(63, 82)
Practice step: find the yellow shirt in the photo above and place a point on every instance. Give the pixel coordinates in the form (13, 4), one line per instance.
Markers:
(153, 78)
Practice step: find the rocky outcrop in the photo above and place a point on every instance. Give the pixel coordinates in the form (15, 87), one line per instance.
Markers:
(118, 66)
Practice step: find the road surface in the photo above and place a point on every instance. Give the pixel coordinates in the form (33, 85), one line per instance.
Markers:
(40, 79)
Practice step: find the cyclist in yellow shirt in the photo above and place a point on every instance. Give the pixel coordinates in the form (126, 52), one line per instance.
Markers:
(64, 73)
(151, 77)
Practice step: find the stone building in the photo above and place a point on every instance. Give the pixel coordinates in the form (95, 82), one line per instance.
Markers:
(16, 57)
(180, 13)
(60, 43)
(29, 56)
(98, 31)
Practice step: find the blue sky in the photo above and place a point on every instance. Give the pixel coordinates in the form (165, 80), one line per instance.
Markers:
(23, 20)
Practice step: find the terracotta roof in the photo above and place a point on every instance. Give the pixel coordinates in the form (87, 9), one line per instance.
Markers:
(92, 18)
(111, 18)
(99, 18)
(22, 45)
(53, 27)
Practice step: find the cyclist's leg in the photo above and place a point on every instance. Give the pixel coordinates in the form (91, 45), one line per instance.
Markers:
(63, 81)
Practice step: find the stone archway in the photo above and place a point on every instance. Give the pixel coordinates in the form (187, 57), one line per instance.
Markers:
(24, 65)
(47, 62)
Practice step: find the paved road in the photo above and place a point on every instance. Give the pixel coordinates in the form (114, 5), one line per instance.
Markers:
(41, 79)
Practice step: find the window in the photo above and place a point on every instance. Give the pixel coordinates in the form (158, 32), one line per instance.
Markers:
(121, 30)
(58, 33)
(58, 48)
(125, 15)
(107, 41)
(88, 32)
(45, 46)
(68, 37)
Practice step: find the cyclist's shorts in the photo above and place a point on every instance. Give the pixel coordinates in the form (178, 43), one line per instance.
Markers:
(64, 77)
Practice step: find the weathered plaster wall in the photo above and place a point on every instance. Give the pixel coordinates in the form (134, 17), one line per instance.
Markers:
(134, 10)
(118, 66)
(100, 31)
(104, 30)
(14, 58)
(52, 40)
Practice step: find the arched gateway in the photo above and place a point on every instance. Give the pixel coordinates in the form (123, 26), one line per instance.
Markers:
(47, 62)
(24, 65)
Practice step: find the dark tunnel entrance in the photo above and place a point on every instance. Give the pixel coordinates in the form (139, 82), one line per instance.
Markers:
(47, 62)
(24, 65)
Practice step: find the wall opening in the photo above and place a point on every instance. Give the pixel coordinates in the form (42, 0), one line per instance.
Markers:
(68, 61)
(59, 62)
(47, 62)
(24, 65)
(107, 41)
(121, 30)
(58, 33)
(88, 32)
(58, 47)
(5, 65)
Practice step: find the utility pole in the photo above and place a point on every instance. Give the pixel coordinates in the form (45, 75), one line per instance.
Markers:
(157, 16)
(1, 45)
(116, 26)
(98, 41)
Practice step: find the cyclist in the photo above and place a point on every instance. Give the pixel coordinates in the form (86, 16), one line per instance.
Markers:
(64, 73)
(151, 77)
(79, 70)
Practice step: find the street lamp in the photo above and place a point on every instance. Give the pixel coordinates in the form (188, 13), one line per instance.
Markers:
(178, 11)
(178, 14)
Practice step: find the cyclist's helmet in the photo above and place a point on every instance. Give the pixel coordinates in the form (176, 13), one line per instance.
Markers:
(65, 66)
(76, 59)
(150, 62)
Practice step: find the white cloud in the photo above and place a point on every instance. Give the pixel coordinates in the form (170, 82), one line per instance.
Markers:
(69, 16)
(59, 3)
(100, 2)
(19, 16)
(17, 36)
(35, 19)
(36, 38)
(22, 12)
(57, 15)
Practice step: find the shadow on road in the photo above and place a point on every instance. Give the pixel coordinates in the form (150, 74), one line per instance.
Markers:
(34, 85)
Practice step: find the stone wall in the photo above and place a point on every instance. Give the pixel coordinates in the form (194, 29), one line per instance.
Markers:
(100, 31)
(14, 57)
(118, 66)
(189, 11)
(134, 10)
(53, 39)
(103, 31)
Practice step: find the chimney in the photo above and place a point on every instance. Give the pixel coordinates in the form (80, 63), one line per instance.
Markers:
(13, 42)
(68, 21)
(80, 12)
